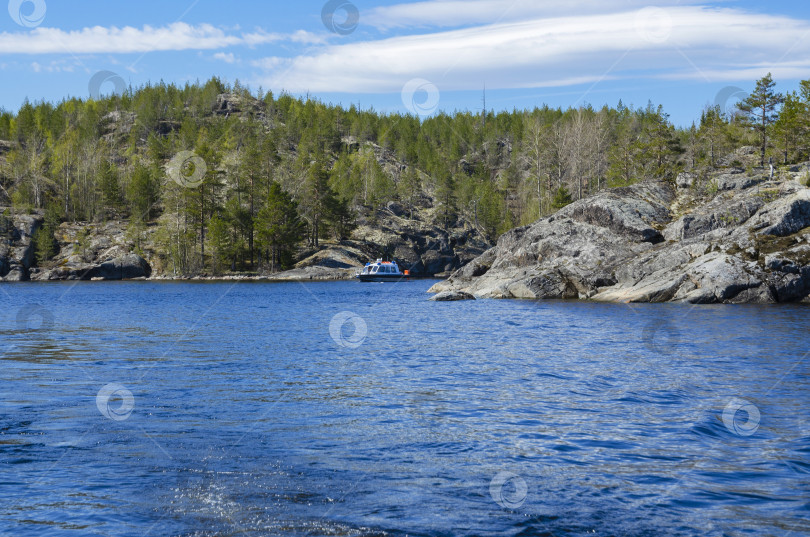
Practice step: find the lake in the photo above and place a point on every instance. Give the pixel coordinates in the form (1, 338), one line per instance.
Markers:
(219, 409)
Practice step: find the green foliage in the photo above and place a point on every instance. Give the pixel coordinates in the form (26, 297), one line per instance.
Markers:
(711, 189)
(492, 212)
(790, 126)
(83, 242)
(6, 225)
(278, 227)
(409, 188)
(318, 200)
(446, 197)
(142, 193)
(6, 124)
(760, 107)
(44, 244)
(221, 242)
(561, 198)
(110, 187)
(712, 134)
(341, 219)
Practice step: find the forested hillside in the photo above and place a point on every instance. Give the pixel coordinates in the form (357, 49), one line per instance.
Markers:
(221, 178)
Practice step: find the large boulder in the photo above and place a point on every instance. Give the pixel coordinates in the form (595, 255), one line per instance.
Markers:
(125, 267)
(572, 252)
(451, 296)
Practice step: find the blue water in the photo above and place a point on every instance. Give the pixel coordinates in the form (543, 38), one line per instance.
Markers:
(180, 409)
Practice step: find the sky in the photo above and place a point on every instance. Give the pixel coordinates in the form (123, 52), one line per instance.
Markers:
(419, 57)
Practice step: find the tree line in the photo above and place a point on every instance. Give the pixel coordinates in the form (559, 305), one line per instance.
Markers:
(280, 173)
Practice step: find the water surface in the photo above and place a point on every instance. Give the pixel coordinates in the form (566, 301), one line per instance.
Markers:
(363, 409)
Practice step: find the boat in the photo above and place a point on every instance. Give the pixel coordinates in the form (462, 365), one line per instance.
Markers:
(381, 271)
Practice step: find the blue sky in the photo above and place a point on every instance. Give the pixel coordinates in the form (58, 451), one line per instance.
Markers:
(407, 56)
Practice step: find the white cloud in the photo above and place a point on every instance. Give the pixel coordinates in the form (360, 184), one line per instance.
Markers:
(458, 13)
(680, 42)
(273, 62)
(227, 58)
(307, 38)
(114, 40)
(261, 38)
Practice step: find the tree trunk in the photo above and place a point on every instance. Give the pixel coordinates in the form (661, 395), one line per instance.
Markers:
(764, 136)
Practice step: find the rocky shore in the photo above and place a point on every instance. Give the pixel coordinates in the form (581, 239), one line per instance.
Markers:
(106, 251)
(729, 237)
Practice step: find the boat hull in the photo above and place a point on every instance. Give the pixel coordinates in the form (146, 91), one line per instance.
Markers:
(381, 277)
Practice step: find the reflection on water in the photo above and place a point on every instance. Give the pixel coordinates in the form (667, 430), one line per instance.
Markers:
(349, 409)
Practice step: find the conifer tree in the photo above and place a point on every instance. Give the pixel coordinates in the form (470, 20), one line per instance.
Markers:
(761, 109)
(278, 226)
(788, 127)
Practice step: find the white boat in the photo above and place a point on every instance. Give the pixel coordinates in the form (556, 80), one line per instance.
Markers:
(381, 271)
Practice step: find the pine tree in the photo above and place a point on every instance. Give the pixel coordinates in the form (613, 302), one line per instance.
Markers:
(142, 193)
(341, 218)
(446, 196)
(109, 187)
(788, 127)
(711, 133)
(761, 109)
(205, 197)
(44, 241)
(409, 188)
(221, 242)
(561, 198)
(318, 201)
(253, 171)
(278, 227)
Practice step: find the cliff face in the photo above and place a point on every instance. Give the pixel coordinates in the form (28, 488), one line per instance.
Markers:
(17, 245)
(729, 238)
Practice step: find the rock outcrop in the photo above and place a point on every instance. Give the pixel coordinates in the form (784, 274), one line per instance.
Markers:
(419, 244)
(85, 251)
(730, 238)
(452, 296)
(17, 244)
(125, 267)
